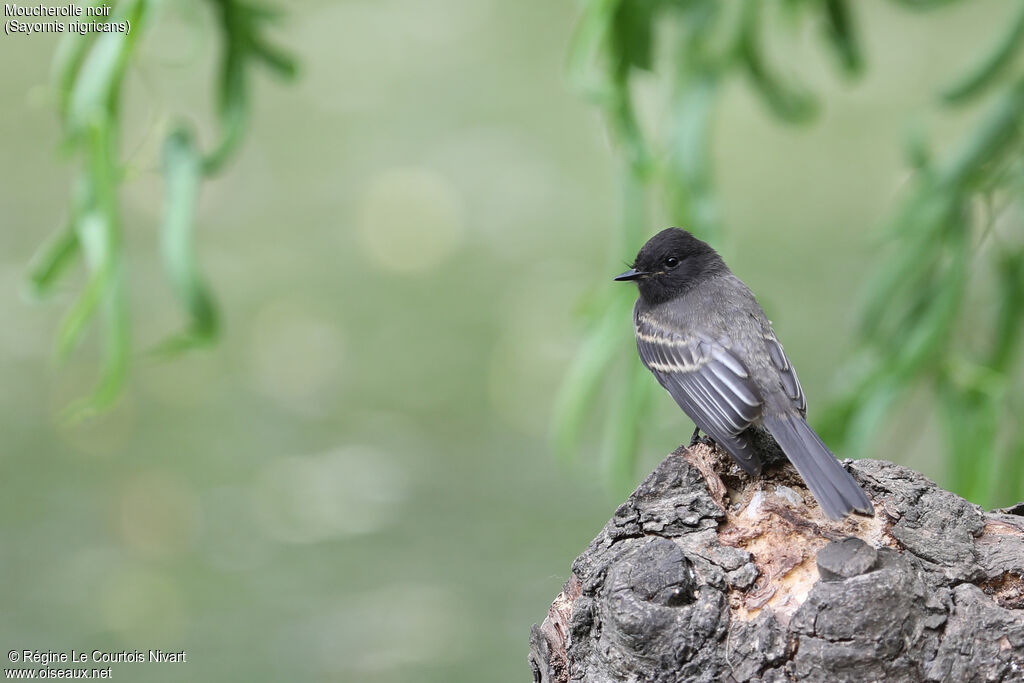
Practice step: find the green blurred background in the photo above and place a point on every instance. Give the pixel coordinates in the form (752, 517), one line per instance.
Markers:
(356, 483)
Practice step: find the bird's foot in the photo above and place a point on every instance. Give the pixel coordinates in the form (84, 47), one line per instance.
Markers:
(697, 438)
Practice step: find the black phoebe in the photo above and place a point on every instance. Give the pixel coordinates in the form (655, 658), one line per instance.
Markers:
(701, 332)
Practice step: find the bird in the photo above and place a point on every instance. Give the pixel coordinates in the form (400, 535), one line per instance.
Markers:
(704, 337)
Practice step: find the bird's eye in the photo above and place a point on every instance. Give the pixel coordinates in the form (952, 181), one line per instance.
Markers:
(671, 262)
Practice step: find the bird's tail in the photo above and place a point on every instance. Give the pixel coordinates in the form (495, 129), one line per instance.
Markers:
(833, 487)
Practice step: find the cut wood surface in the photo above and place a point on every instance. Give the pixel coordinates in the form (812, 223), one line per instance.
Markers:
(705, 574)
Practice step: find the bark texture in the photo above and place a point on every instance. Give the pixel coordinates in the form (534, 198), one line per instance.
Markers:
(704, 574)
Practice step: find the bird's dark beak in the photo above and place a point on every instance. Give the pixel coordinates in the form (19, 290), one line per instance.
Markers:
(631, 274)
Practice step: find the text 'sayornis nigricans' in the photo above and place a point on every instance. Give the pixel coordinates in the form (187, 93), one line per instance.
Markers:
(704, 336)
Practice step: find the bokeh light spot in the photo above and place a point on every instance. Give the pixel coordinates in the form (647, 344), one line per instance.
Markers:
(143, 608)
(346, 492)
(230, 538)
(295, 355)
(158, 514)
(411, 220)
(382, 631)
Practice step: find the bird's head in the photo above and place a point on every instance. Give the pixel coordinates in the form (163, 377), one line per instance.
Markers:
(670, 263)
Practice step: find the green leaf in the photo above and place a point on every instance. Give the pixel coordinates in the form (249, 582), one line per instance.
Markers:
(182, 170)
(590, 37)
(842, 36)
(1006, 340)
(932, 332)
(873, 409)
(277, 60)
(115, 357)
(788, 102)
(991, 141)
(95, 206)
(67, 62)
(578, 396)
(97, 83)
(241, 25)
(692, 189)
(623, 427)
(1012, 472)
(970, 421)
(982, 76)
(93, 237)
(52, 259)
(631, 38)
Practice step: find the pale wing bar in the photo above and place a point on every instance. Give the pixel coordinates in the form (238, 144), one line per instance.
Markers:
(708, 382)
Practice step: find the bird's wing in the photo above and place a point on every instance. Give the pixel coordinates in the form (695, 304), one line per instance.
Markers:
(708, 382)
(790, 382)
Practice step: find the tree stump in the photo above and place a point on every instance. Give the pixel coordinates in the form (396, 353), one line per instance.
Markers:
(705, 574)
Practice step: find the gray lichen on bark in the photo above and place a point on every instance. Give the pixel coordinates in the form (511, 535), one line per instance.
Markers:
(704, 574)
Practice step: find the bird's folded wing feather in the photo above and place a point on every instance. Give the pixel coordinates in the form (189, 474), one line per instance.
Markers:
(708, 382)
(790, 383)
